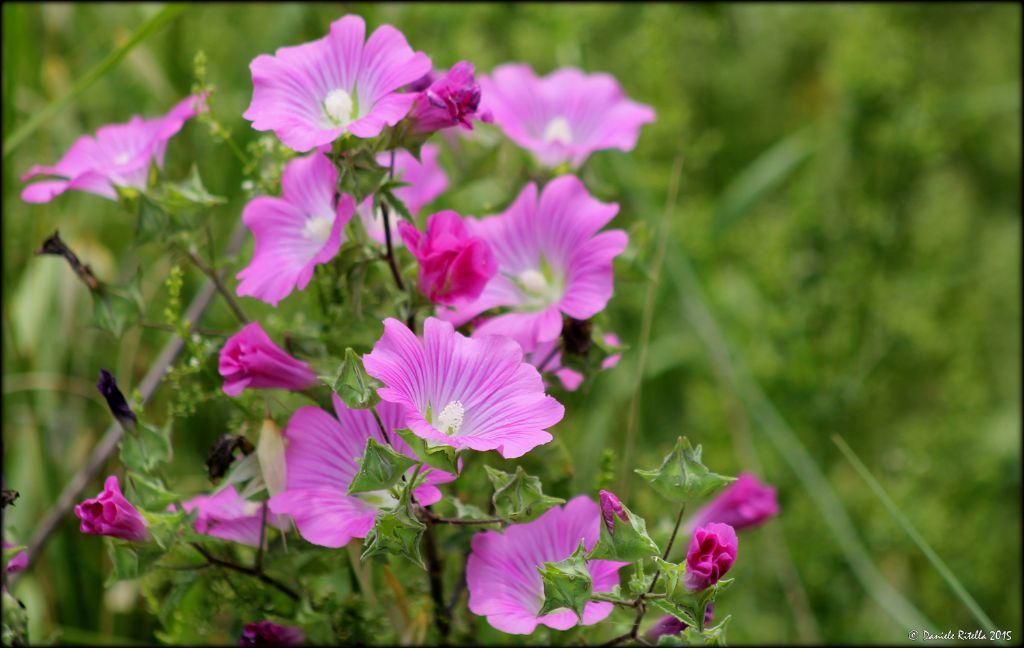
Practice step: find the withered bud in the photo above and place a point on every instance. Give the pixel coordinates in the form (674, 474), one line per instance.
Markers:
(576, 336)
(115, 401)
(7, 497)
(55, 246)
(222, 454)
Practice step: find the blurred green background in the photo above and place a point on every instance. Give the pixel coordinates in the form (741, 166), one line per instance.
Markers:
(844, 260)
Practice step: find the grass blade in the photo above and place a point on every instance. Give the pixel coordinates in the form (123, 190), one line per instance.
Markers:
(164, 16)
(922, 544)
(789, 446)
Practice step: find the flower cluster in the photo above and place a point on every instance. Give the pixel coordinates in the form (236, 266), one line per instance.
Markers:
(507, 303)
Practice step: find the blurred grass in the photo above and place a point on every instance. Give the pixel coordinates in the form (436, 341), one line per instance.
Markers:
(850, 203)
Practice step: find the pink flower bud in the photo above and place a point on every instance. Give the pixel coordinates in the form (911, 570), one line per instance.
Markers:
(670, 625)
(452, 100)
(454, 266)
(250, 359)
(610, 507)
(109, 513)
(745, 503)
(268, 633)
(18, 561)
(712, 552)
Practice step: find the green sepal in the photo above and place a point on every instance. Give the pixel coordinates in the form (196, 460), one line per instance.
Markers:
(442, 457)
(116, 308)
(465, 511)
(352, 384)
(567, 583)
(682, 477)
(629, 543)
(147, 448)
(130, 560)
(147, 492)
(380, 468)
(395, 531)
(520, 496)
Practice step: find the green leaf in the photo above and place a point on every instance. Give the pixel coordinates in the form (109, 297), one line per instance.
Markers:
(468, 511)
(397, 204)
(682, 476)
(154, 224)
(15, 621)
(629, 542)
(186, 197)
(520, 496)
(567, 583)
(148, 448)
(115, 308)
(352, 384)
(444, 458)
(148, 492)
(684, 614)
(380, 468)
(395, 531)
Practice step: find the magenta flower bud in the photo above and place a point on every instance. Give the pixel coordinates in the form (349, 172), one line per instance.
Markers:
(610, 507)
(712, 552)
(268, 633)
(424, 82)
(670, 625)
(115, 400)
(454, 266)
(745, 503)
(109, 513)
(18, 561)
(251, 360)
(451, 100)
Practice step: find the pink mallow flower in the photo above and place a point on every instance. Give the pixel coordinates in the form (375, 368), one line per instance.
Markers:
(321, 462)
(571, 379)
(251, 360)
(226, 515)
(454, 266)
(311, 94)
(120, 155)
(565, 116)
(504, 584)
(295, 232)
(452, 99)
(552, 260)
(427, 180)
(745, 503)
(110, 514)
(268, 633)
(18, 561)
(474, 393)
(712, 552)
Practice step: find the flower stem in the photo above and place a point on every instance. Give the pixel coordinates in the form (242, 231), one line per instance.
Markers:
(219, 285)
(273, 582)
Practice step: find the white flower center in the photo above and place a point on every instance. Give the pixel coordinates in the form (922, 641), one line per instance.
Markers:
(318, 229)
(558, 130)
(339, 107)
(539, 286)
(450, 419)
(533, 281)
(122, 158)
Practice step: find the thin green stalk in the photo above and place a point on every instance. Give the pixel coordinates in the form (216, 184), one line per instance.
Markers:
(151, 26)
(922, 544)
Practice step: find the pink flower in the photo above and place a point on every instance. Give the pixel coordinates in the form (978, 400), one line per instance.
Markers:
(17, 562)
(226, 515)
(570, 378)
(451, 100)
(504, 584)
(454, 266)
(295, 232)
(251, 360)
(565, 116)
(268, 633)
(311, 94)
(426, 178)
(745, 503)
(120, 155)
(551, 261)
(321, 459)
(109, 513)
(712, 552)
(610, 507)
(463, 392)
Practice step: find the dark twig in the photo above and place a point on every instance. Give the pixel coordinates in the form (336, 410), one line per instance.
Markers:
(390, 248)
(380, 424)
(55, 246)
(108, 443)
(263, 537)
(437, 519)
(250, 571)
(219, 285)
